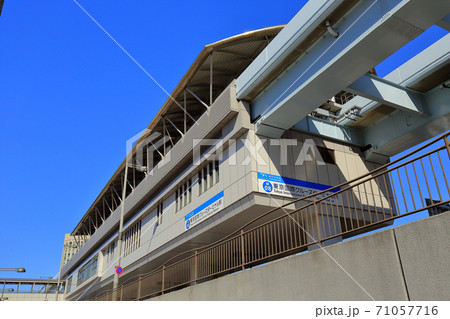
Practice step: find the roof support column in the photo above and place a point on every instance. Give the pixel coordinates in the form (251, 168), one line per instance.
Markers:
(184, 109)
(164, 137)
(104, 213)
(174, 126)
(93, 224)
(128, 182)
(134, 176)
(156, 149)
(113, 200)
(98, 213)
(85, 230)
(211, 78)
(118, 196)
(198, 99)
(168, 133)
(76, 240)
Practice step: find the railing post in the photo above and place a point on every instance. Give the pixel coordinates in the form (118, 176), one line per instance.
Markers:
(242, 249)
(195, 267)
(46, 290)
(447, 144)
(162, 290)
(139, 288)
(316, 212)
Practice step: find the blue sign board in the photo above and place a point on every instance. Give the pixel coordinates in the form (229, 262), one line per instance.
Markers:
(204, 211)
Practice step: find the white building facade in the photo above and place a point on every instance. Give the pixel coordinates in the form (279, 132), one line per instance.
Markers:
(207, 174)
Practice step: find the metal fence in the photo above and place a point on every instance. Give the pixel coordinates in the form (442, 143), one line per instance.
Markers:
(413, 183)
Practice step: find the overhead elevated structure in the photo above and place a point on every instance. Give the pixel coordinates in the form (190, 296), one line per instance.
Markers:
(327, 49)
(406, 107)
(409, 105)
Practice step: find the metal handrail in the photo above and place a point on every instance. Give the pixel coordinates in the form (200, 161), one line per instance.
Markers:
(442, 136)
(382, 171)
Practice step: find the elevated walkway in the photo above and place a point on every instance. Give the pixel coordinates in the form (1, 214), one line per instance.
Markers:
(30, 289)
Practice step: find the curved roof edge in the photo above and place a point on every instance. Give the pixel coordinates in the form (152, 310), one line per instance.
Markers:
(202, 56)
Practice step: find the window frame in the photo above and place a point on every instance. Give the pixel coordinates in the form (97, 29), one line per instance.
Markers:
(92, 266)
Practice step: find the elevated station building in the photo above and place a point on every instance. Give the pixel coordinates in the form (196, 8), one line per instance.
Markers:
(214, 162)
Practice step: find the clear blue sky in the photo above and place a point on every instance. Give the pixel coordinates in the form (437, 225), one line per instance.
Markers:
(70, 98)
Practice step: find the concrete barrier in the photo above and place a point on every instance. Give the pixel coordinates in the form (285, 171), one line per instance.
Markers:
(424, 249)
(406, 262)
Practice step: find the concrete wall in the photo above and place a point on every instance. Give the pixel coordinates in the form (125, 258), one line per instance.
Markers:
(406, 262)
(424, 249)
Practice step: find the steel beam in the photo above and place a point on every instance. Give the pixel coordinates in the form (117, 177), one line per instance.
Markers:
(106, 202)
(113, 201)
(175, 127)
(370, 32)
(389, 93)
(134, 176)
(430, 60)
(401, 130)
(98, 212)
(118, 196)
(198, 99)
(76, 240)
(169, 136)
(86, 230)
(333, 131)
(93, 224)
(156, 149)
(395, 133)
(103, 209)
